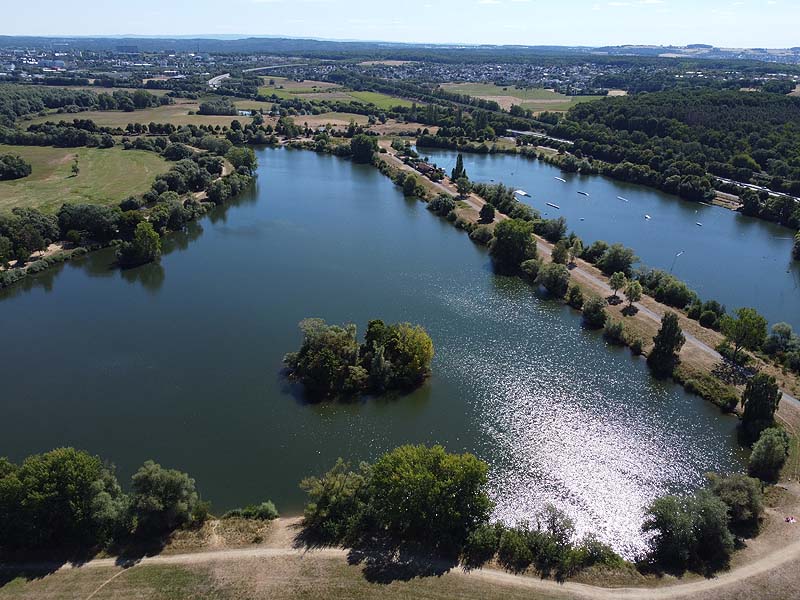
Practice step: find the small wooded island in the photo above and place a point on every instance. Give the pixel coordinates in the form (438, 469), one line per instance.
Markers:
(332, 364)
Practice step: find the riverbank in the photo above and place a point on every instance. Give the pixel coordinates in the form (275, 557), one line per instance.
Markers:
(698, 355)
(236, 559)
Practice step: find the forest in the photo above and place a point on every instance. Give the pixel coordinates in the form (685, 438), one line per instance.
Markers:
(747, 137)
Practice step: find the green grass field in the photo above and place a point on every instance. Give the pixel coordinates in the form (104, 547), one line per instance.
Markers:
(106, 176)
(535, 99)
(320, 90)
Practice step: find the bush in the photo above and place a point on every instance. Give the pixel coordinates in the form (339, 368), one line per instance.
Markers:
(513, 552)
(637, 346)
(265, 511)
(554, 278)
(530, 269)
(13, 167)
(163, 499)
(709, 320)
(481, 235)
(742, 495)
(594, 312)
(575, 296)
(769, 455)
(481, 545)
(442, 205)
(615, 333)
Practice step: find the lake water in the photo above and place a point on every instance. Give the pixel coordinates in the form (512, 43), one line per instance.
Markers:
(737, 260)
(180, 362)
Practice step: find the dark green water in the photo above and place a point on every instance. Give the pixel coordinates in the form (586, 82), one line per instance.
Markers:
(180, 361)
(737, 260)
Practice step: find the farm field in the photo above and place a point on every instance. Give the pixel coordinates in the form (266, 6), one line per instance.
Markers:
(535, 99)
(106, 176)
(177, 114)
(320, 90)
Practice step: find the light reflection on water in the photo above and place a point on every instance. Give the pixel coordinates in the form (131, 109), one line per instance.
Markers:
(563, 423)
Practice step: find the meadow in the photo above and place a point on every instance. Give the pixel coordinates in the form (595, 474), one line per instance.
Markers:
(106, 176)
(534, 99)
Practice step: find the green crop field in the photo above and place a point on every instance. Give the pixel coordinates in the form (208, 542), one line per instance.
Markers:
(106, 176)
(320, 90)
(383, 101)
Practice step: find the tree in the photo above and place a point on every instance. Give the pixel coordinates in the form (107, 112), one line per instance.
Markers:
(689, 532)
(760, 400)
(6, 250)
(487, 213)
(667, 344)
(617, 282)
(742, 495)
(555, 279)
(634, 292)
(410, 185)
(513, 243)
(768, 455)
(13, 167)
(594, 312)
(64, 497)
(747, 330)
(75, 168)
(442, 205)
(458, 171)
(162, 499)
(575, 250)
(363, 147)
(560, 253)
(145, 247)
(464, 186)
(617, 258)
(242, 157)
(426, 494)
(575, 296)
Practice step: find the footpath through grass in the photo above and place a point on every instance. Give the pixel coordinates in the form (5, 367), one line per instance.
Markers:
(106, 176)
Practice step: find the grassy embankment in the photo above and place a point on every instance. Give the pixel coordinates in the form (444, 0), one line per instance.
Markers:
(534, 99)
(106, 176)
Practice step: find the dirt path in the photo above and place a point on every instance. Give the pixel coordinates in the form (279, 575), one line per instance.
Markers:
(775, 559)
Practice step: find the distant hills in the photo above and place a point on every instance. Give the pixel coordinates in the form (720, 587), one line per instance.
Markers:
(343, 49)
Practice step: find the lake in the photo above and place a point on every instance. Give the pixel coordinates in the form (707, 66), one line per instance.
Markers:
(737, 260)
(180, 361)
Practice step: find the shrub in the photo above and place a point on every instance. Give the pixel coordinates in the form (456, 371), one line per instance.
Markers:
(637, 346)
(513, 552)
(481, 545)
(530, 269)
(265, 511)
(709, 320)
(442, 205)
(481, 235)
(594, 312)
(742, 495)
(615, 332)
(554, 278)
(163, 499)
(575, 296)
(768, 455)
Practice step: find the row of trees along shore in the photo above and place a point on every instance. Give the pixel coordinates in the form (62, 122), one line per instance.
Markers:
(414, 499)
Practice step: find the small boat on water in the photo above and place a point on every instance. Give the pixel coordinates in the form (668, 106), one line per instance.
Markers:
(522, 193)
(648, 217)
(621, 198)
(561, 180)
(699, 224)
(584, 193)
(554, 205)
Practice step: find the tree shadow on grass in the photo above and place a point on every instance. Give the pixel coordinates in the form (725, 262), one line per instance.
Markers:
(613, 300)
(384, 560)
(37, 564)
(630, 311)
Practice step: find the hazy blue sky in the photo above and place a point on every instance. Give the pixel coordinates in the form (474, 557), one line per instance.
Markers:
(759, 23)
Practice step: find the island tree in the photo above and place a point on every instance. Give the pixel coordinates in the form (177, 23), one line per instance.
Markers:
(617, 282)
(633, 291)
(769, 455)
(363, 147)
